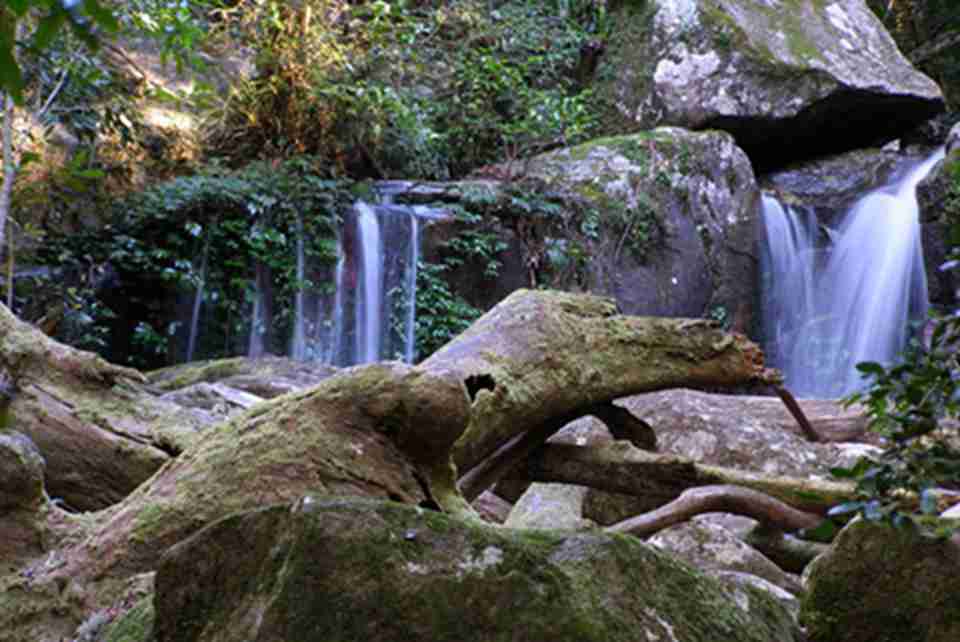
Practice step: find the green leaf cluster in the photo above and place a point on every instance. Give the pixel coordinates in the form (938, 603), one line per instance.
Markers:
(82, 17)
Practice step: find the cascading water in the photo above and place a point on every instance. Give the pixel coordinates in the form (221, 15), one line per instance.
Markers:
(821, 320)
(375, 309)
(787, 265)
(361, 310)
(197, 303)
(369, 314)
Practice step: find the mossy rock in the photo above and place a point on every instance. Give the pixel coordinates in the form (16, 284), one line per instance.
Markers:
(21, 472)
(881, 584)
(342, 570)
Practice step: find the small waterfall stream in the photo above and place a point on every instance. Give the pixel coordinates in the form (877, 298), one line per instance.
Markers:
(371, 313)
(360, 310)
(839, 299)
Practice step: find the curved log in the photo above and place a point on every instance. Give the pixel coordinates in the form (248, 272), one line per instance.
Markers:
(717, 499)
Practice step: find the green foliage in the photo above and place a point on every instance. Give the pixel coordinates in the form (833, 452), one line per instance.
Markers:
(441, 314)
(431, 90)
(225, 232)
(914, 405)
(50, 17)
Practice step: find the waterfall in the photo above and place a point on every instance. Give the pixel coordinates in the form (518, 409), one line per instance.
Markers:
(787, 266)
(360, 310)
(298, 345)
(261, 317)
(375, 305)
(409, 339)
(820, 321)
(369, 309)
(197, 302)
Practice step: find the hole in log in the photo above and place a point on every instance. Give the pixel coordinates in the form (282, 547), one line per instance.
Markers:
(476, 383)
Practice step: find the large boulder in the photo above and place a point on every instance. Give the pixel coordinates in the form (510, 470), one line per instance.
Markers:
(345, 570)
(712, 548)
(751, 433)
(668, 224)
(789, 79)
(662, 221)
(880, 584)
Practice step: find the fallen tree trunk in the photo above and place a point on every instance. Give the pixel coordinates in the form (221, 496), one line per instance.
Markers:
(539, 357)
(621, 468)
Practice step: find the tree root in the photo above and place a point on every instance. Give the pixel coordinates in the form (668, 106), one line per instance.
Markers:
(717, 499)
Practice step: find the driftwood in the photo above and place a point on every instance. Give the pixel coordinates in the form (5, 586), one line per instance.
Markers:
(482, 405)
(791, 403)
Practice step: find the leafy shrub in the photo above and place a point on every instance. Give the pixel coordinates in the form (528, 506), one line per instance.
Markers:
(915, 406)
(409, 89)
(226, 233)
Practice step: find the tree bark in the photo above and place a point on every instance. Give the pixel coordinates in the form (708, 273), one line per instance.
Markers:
(621, 468)
(392, 431)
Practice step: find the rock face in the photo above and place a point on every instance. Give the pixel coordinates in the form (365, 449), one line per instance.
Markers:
(673, 223)
(352, 570)
(830, 186)
(788, 78)
(880, 584)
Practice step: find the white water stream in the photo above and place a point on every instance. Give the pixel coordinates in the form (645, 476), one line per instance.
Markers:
(828, 309)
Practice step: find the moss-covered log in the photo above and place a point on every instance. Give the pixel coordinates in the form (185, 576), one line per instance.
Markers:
(540, 356)
(619, 467)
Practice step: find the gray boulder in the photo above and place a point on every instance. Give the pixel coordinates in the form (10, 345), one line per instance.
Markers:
(339, 570)
(751, 433)
(712, 548)
(668, 221)
(789, 80)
